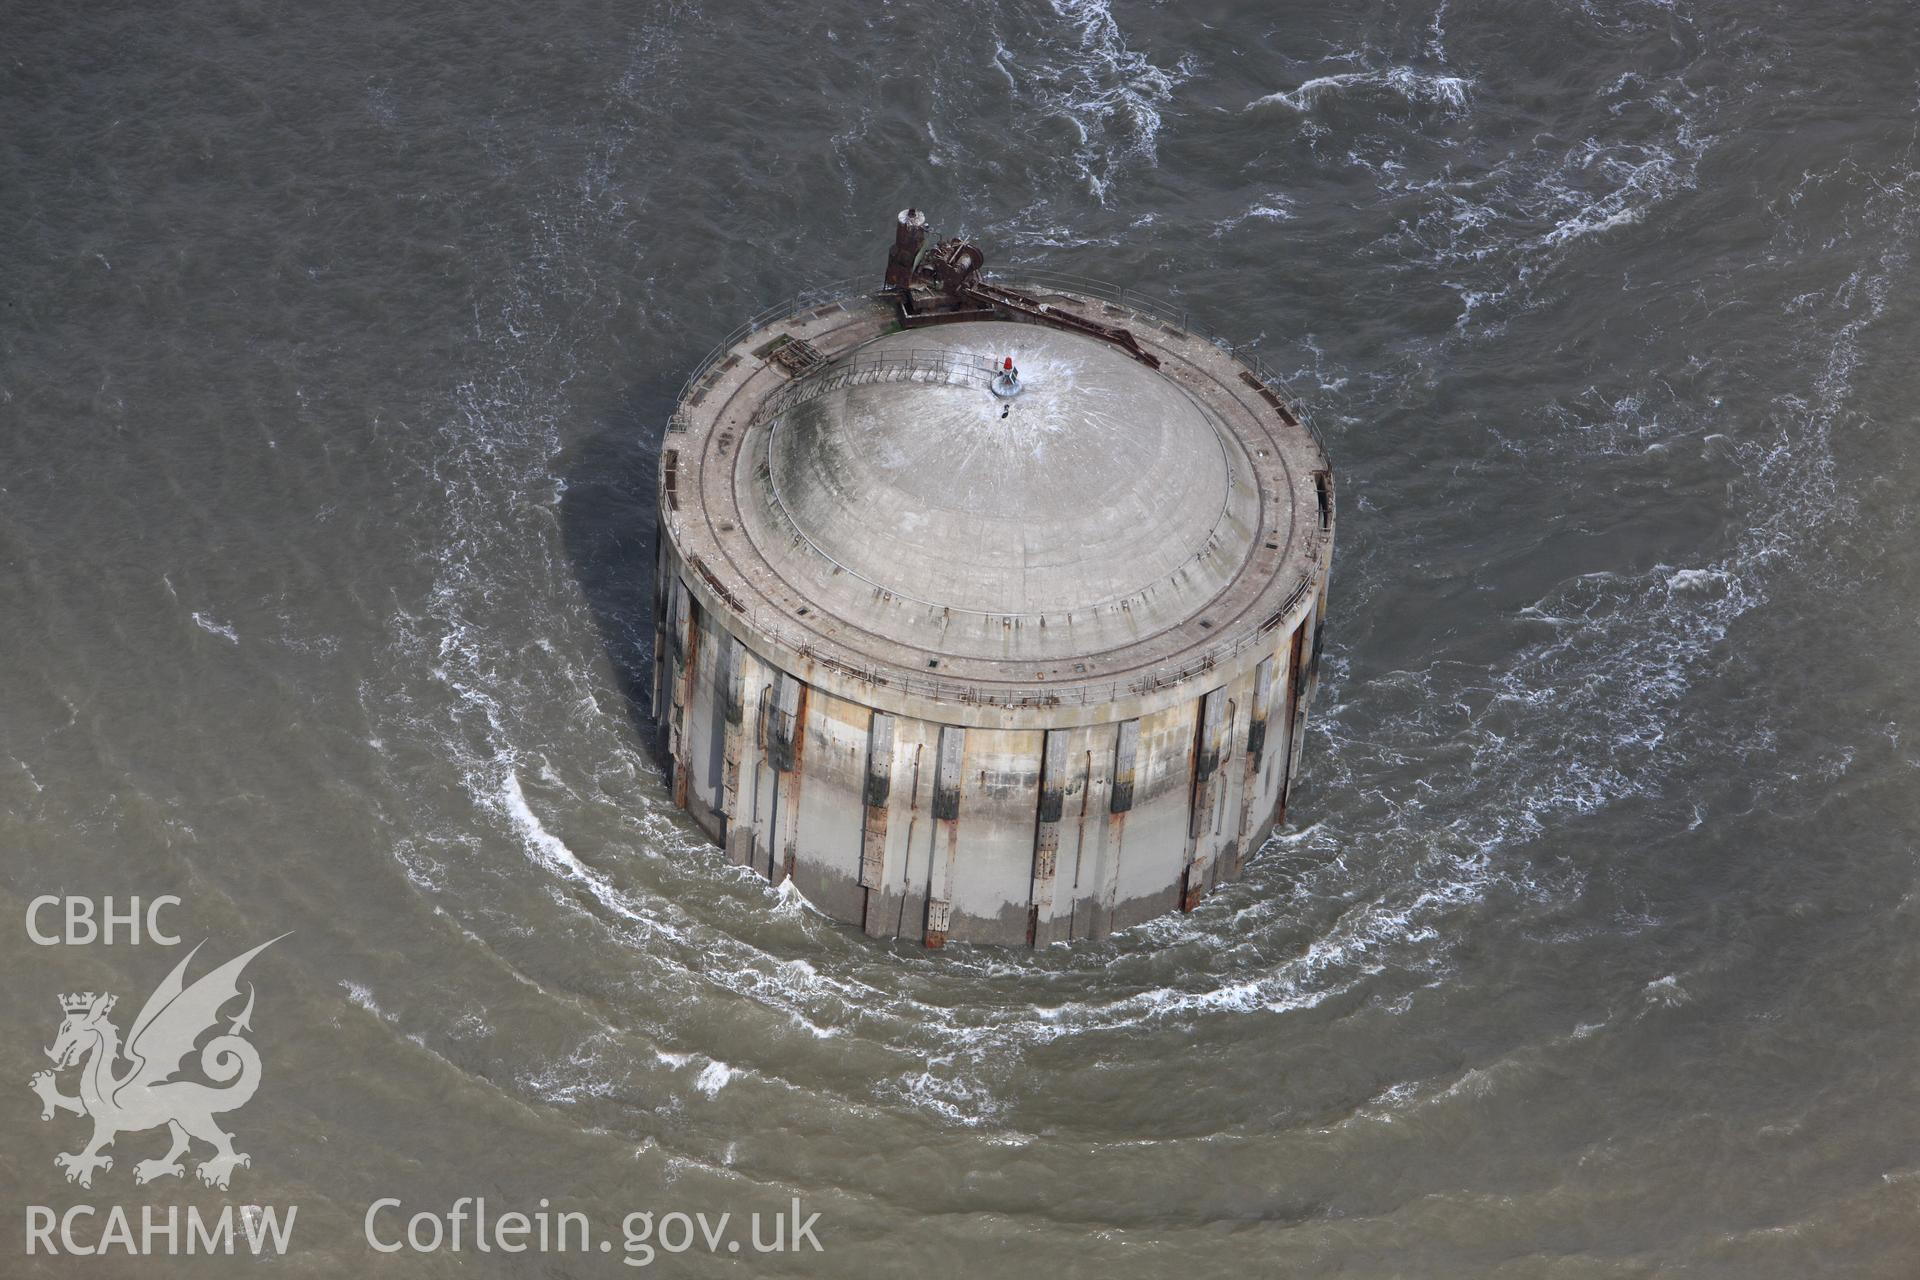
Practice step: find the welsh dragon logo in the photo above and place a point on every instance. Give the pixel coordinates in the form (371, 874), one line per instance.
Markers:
(145, 1095)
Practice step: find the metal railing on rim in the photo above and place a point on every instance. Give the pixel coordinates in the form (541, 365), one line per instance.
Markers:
(785, 309)
(1168, 313)
(1067, 692)
(895, 364)
(1143, 304)
(948, 363)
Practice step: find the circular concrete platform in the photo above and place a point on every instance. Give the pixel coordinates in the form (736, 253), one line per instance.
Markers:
(972, 667)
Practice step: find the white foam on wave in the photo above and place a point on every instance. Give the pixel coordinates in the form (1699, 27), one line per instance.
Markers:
(497, 454)
(1088, 76)
(1502, 220)
(1584, 717)
(1394, 1098)
(1603, 215)
(1666, 993)
(1636, 178)
(1697, 580)
(940, 1090)
(476, 683)
(1595, 711)
(583, 1075)
(714, 1077)
(213, 627)
(550, 850)
(1451, 92)
(1437, 46)
(1272, 208)
(362, 997)
(789, 901)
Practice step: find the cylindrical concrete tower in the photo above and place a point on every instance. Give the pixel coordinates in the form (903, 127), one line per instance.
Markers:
(1000, 663)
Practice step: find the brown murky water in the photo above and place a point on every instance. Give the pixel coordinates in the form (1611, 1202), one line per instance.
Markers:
(334, 357)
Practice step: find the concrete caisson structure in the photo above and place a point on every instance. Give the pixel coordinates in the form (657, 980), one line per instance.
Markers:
(1007, 669)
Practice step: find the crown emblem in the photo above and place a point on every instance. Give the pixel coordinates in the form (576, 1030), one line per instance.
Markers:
(176, 1018)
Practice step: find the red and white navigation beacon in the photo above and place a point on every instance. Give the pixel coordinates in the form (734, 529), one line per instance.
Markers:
(1006, 380)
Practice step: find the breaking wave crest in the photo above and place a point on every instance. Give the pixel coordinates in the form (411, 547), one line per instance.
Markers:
(1580, 713)
(1079, 70)
(1451, 92)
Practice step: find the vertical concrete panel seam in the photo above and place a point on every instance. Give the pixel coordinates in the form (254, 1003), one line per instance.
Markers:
(948, 781)
(1200, 818)
(913, 826)
(876, 796)
(1255, 752)
(1046, 838)
(1126, 750)
(683, 691)
(790, 780)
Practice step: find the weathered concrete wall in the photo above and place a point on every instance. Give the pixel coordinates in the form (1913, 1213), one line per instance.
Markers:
(831, 816)
(910, 827)
(897, 906)
(1153, 855)
(1001, 672)
(994, 856)
(1072, 902)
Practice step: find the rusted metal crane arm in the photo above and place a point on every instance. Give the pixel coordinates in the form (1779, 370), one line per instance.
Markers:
(953, 267)
(1042, 313)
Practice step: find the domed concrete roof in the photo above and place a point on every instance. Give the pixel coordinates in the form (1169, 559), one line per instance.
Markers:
(851, 501)
(1100, 482)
